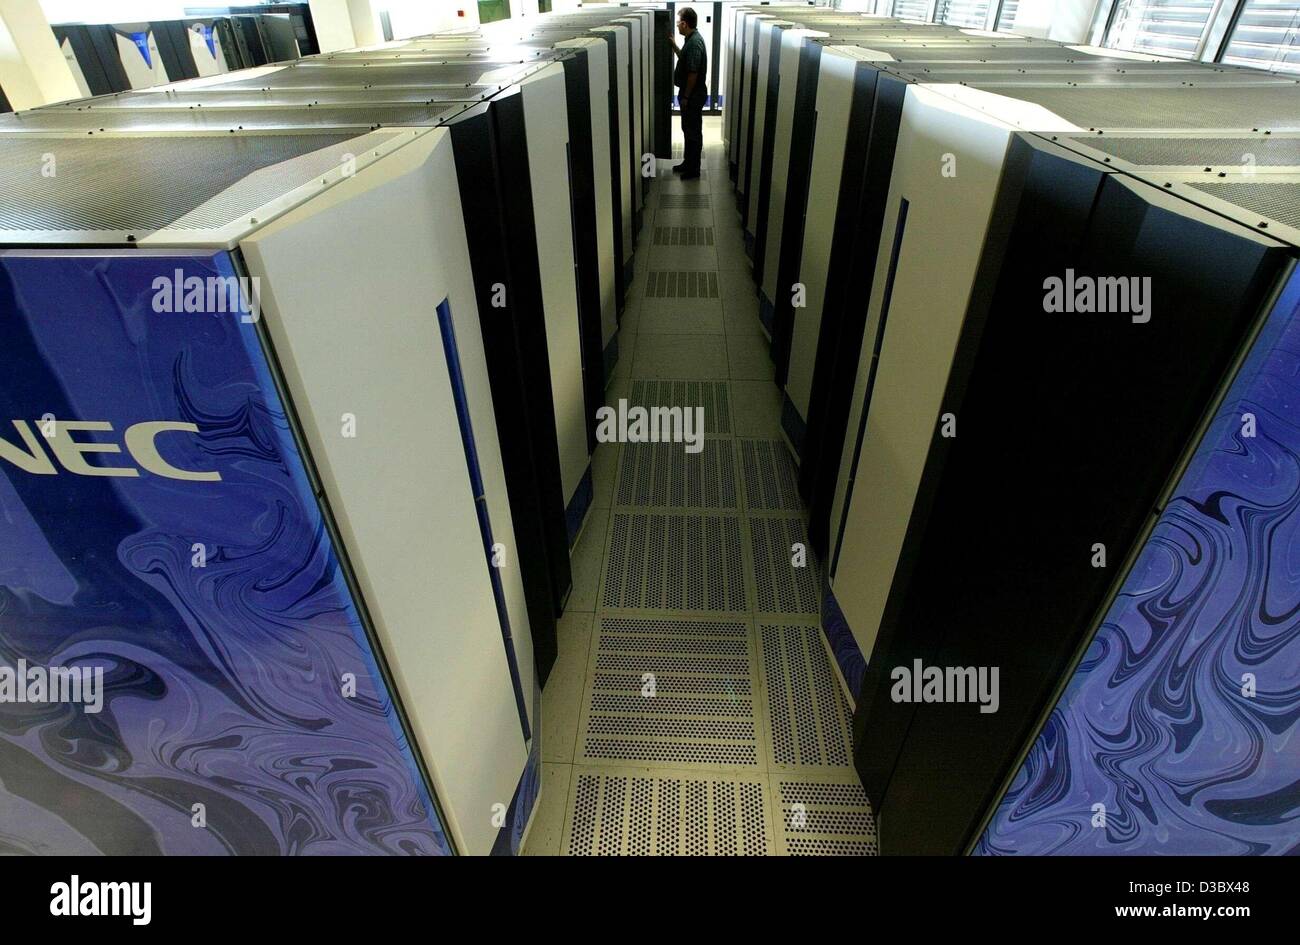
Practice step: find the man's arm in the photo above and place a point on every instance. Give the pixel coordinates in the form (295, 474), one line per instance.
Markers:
(677, 50)
(690, 84)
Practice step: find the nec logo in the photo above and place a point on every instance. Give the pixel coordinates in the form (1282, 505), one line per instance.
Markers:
(140, 439)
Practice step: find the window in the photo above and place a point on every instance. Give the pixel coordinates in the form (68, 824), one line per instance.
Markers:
(543, 6)
(492, 10)
(1161, 27)
(1007, 15)
(1267, 35)
(969, 13)
(911, 9)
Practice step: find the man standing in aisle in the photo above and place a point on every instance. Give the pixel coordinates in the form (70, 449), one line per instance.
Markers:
(692, 67)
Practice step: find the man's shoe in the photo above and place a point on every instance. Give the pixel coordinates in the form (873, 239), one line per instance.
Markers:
(691, 175)
(679, 168)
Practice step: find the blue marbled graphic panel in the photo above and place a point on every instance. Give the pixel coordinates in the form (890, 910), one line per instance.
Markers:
(224, 683)
(1154, 723)
(853, 666)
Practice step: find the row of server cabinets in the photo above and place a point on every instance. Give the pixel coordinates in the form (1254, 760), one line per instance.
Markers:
(1034, 311)
(338, 330)
(118, 57)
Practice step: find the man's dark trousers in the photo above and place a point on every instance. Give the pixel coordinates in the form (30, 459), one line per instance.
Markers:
(693, 132)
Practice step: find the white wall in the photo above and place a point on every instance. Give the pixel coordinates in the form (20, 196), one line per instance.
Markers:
(417, 17)
(1067, 21)
(32, 68)
(114, 11)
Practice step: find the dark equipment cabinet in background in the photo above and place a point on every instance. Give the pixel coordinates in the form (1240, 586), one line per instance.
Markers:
(491, 148)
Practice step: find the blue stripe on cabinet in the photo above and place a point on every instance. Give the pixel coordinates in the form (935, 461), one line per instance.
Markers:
(448, 330)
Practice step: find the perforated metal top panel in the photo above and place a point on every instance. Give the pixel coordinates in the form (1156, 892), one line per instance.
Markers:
(1276, 200)
(1270, 151)
(1274, 107)
(245, 98)
(955, 52)
(1096, 74)
(1087, 64)
(335, 75)
(139, 184)
(239, 119)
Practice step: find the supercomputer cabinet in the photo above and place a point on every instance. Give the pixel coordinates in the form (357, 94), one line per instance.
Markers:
(1175, 732)
(593, 204)
(826, 339)
(542, 94)
(207, 47)
(767, 78)
(845, 91)
(749, 67)
(92, 57)
(947, 557)
(221, 496)
(638, 43)
(137, 48)
(629, 167)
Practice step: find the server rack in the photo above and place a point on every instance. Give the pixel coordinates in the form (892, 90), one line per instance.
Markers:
(303, 572)
(91, 53)
(1099, 482)
(1219, 749)
(827, 337)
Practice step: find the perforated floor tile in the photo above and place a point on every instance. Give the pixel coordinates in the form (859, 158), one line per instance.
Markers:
(683, 284)
(666, 475)
(685, 201)
(673, 691)
(783, 586)
(713, 396)
(819, 815)
(691, 562)
(646, 812)
(685, 236)
(770, 477)
(807, 713)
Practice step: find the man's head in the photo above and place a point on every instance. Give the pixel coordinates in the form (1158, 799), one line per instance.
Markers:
(686, 21)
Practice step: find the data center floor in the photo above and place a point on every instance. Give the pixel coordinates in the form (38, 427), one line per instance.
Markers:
(683, 581)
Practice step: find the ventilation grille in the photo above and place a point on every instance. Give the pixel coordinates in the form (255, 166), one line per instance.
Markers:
(1110, 107)
(236, 119)
(711, 395)
(1278, 201)
(684, 284)
(809, 714)
(1198, 152)
(683, 236)
(322, 74)
(771, 481)
(782, 587)
(675, 562)
(699, 712)
(684, 202)
(140, 184)
(664, 475)
(824, 818)
(685, 815)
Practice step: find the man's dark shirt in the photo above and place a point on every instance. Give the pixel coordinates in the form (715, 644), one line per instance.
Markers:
(693, 58)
